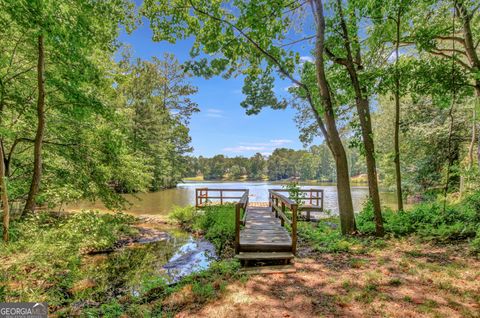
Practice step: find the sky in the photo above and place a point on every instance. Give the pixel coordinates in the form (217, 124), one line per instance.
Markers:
(221, 126)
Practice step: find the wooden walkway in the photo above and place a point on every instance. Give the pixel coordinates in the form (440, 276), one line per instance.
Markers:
(260, 232)
(263, 232)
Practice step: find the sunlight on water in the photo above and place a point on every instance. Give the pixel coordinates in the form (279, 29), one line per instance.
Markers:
(161, 202)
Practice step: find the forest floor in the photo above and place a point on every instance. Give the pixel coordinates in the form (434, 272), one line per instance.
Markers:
(48, 260)
(404, 278)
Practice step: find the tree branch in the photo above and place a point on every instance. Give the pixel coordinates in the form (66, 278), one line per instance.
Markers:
(49, 142)
(334, 58)
(272, 58)
(299, 40)
(465, 65)
(451, 38)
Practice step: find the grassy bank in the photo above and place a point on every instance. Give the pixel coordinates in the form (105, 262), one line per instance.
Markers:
(55, 259)
(216, 223)
(427, 265)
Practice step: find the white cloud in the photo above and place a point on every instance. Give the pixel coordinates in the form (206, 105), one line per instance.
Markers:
(304, 59)
(265, 154)
(278, 142)
(264, 148)
(214, 113)
(239, 149)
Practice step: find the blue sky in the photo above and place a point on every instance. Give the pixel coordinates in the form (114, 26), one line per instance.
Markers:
(222, 127)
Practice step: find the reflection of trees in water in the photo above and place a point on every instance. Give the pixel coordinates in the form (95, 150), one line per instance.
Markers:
(128, 268)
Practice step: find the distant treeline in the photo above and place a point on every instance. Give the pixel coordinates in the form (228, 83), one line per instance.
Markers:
(315, 163)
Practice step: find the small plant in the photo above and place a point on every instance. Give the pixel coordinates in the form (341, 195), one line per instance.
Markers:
(184, 216)
(429, 220)
(218, 224)
(295, 193)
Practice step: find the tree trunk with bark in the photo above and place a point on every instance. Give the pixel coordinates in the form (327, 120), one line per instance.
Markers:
(473, 58)
(37, 152)
(398, 173)
(330, 131)
(4, 196)
(351, 62)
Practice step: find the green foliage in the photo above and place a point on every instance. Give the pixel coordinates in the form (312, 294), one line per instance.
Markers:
(324, 238)
(184, 216)
(315, 163)
(49, 248)
(294, 192)
(218, 223)
(428, 220)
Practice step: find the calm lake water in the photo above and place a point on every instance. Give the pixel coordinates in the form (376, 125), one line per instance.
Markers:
(161, 202)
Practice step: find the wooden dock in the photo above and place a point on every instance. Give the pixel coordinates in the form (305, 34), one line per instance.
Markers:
(260, 231)
(263, 232)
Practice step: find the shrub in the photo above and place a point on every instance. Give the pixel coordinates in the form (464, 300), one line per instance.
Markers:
(428, 220)
(184, 216)
(324, 238)
(475, 244)
(218, 223)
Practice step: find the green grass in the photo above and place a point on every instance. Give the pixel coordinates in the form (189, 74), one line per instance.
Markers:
(46, 261)
(429, 221)
(215, 222)
(326, 239)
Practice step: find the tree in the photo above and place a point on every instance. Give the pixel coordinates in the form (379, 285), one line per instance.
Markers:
(344, 49)
(249, 42)
(71, 37)
(456, 40)
(156, 97)
(4, 198)
(257, 167)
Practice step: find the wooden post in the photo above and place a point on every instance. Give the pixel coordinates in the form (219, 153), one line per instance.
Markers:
(276, 204)
(282, 221)
(237, 228)
(294, 208)
(322, 200)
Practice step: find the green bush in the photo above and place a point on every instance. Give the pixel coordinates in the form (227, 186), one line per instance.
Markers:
(184, 216)
(324, 238)
(428, 220)
(218, 224)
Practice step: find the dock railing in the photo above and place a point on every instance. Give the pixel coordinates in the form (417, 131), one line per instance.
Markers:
(239, 207)
(309, 200)
(207, 196)
(279, 204)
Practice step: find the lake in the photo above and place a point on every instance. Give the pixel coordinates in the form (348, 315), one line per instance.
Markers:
(161, 202)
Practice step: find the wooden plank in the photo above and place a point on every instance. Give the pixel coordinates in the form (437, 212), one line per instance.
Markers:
(264, 256)
(277, 269)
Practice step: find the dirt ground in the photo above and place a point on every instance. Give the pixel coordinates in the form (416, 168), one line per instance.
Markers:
(403, 279)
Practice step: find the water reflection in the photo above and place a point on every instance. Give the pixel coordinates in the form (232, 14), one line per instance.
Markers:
(161, 202)
(192, 257)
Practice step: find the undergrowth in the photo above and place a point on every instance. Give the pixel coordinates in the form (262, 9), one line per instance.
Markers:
(47, 260)
(429, 221)
(216, 222)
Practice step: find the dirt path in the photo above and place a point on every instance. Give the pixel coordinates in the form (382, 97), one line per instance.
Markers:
(403, 279)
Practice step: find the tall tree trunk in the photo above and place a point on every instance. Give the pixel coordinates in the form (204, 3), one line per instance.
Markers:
(363, 110)
(37, 152)
(333, 140)
(398, 173)
(472, 56)
(4, 196)
(476, 126)
(474, 138)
